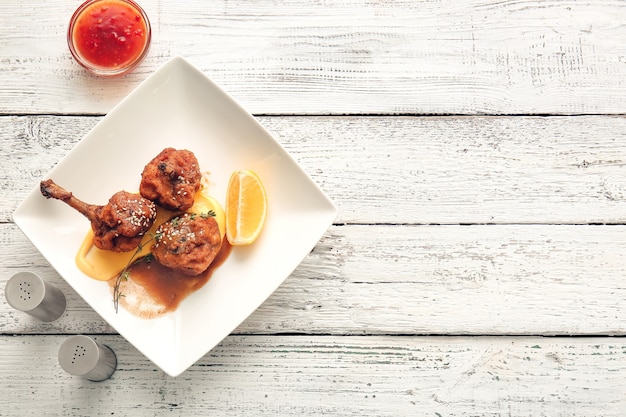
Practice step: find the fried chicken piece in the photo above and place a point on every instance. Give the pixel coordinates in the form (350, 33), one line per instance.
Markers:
(188, 243)
(171, 179)
(119, 225)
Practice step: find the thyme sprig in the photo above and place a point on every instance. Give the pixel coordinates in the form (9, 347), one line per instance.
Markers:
(124, 275)
(206, 215)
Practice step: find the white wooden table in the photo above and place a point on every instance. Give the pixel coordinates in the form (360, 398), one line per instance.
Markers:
(476, 150)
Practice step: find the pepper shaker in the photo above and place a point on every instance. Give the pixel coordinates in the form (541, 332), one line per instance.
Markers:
(84, 357)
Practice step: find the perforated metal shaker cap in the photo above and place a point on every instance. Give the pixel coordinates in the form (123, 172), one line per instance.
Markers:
(28, 292)
(84, 357)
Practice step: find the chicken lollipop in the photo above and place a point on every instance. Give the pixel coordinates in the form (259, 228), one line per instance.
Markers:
(171, 179)
(119, 225)
(188, 243)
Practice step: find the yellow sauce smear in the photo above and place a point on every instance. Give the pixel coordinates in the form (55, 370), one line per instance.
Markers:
(104, 265)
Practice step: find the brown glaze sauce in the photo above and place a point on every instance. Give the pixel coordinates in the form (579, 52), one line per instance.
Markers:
(165, 288)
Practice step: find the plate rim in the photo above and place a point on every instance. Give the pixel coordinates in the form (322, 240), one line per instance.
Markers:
(330, 209)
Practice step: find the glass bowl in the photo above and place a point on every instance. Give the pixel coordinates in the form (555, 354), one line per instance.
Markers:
(109, 37)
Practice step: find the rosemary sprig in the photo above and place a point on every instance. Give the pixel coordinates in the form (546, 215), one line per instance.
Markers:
(123, 276)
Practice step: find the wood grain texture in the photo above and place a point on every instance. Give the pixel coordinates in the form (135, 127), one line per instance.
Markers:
(461, 236)
(434, 57)
(405, 170)
(414, 280)
(333, 376)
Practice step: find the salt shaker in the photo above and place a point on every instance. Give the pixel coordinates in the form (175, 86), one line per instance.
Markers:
(84, 357)
(28, 292)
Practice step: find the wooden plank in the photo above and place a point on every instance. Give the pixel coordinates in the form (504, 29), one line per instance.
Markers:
(451, 56)
(336, 376)
(417, 280)
(405, 170)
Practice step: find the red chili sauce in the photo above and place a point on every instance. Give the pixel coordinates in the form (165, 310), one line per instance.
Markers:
(110, 34)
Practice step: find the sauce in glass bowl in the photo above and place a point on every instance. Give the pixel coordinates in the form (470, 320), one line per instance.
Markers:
(109, 37)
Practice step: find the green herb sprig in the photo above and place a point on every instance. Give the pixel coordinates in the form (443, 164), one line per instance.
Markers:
(124, 275)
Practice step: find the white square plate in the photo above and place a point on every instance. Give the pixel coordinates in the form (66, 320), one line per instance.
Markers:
(180, 107)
